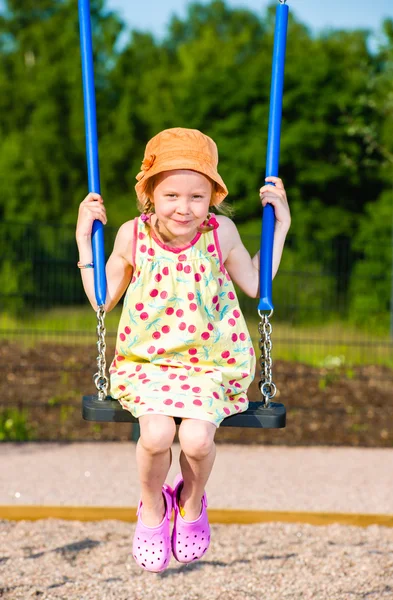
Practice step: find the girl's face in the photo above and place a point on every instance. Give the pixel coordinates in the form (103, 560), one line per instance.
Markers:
(181, 201)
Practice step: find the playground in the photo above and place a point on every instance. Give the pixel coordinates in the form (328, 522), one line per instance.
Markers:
(100, 492)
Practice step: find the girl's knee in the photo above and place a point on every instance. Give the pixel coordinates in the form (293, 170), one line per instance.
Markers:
(196, 438)
(157, 433)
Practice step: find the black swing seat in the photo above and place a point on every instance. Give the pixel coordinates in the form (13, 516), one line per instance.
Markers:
(257, 414)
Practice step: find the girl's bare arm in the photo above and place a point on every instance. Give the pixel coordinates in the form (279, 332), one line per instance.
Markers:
(118, 268)
(243, 270)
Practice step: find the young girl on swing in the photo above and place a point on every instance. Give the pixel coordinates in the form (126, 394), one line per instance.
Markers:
(183, 348)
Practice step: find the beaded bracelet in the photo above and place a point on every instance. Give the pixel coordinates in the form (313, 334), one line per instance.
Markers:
(85, 266)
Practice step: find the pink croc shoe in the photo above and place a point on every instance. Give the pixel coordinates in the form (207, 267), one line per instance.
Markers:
(190, 539)
(151, 547)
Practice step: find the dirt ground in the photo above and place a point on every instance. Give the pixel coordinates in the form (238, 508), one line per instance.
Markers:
(324, 406)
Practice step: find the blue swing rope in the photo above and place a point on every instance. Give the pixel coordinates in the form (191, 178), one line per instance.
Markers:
(273, 155)
(93, 169)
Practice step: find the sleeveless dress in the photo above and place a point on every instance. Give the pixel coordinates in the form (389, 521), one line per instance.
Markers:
(183, 348)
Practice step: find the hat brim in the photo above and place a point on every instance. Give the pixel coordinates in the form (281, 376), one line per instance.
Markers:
(188, 164)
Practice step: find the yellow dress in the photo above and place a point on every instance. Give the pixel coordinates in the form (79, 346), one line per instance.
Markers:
(183, 348)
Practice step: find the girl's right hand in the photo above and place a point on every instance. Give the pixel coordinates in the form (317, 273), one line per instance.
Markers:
(90, 209)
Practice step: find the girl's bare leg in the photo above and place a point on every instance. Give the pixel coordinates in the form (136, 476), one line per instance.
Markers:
(153, 455)
(196, 460)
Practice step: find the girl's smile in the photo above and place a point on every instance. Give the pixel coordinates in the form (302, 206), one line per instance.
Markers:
(181, 222)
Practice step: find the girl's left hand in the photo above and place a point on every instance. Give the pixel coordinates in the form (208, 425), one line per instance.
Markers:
(277, 197)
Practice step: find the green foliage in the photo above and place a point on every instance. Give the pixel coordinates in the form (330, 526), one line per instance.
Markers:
(14, 426)
(371, 283)
(212, 72)
(41, 119)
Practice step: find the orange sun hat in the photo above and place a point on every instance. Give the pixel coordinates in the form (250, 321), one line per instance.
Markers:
(181, 148)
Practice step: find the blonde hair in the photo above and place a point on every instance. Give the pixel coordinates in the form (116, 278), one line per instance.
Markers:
(145, 201)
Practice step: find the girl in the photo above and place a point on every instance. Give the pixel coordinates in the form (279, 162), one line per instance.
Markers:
(183, 348)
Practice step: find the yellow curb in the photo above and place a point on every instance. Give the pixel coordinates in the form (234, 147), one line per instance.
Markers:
(217, 516)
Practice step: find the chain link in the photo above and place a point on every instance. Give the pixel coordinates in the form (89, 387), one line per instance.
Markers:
(266, 385)
(100, 378)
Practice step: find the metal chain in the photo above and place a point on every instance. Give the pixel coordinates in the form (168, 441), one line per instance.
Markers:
(100, 378)
(266, 385)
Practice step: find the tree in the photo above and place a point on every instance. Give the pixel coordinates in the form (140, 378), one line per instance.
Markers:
(371, 283)
(42, 153)
(41, 122)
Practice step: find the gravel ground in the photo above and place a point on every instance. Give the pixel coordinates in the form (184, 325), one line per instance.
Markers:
(91, 561)
(70, 560)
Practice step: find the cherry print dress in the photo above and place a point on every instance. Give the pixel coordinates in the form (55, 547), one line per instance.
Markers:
(183, 348)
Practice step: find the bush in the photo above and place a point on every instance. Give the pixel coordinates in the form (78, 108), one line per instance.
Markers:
(14, 426)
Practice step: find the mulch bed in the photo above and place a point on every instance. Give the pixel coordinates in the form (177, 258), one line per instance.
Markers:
(324, 406)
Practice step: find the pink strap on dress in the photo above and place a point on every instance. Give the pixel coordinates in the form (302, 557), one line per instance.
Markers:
(214, 223)
(134, 241)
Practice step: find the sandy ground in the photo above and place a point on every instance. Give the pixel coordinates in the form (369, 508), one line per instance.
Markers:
(53, 559)
(358, 480)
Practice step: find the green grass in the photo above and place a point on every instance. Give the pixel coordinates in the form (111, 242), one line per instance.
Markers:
(330, 344)
(63, 320)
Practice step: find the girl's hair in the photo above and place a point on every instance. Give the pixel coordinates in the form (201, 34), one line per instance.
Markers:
(146, 205)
